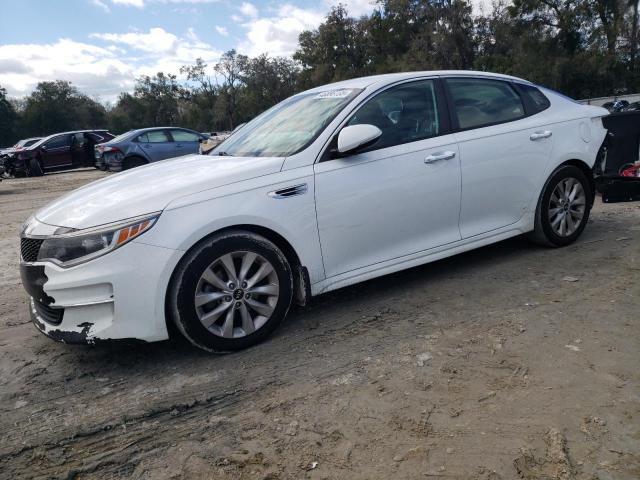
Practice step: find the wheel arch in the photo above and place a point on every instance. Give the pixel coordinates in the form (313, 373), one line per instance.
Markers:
(588, 172)
(133, 156)
(302, 283)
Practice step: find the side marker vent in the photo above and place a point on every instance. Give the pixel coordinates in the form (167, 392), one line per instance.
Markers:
(289, 191)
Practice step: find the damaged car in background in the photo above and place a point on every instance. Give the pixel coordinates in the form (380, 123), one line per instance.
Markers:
(617, 168)
(139, 147)
(331, 187)
(60, 151)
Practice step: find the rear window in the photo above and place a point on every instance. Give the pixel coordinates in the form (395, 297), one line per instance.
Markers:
(537, 101)
(480, 102)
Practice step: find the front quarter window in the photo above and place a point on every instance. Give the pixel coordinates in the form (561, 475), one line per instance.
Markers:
(289, 127)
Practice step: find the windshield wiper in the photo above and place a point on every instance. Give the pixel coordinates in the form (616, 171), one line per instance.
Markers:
(224, 154)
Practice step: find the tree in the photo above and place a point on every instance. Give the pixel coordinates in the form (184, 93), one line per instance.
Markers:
(335, 51)
(59, 106)
(266, 81)
(230, 68)
(8, 120)
(159, 97)
(200, 99)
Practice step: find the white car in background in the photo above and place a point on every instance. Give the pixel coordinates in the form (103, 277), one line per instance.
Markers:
(331, 187)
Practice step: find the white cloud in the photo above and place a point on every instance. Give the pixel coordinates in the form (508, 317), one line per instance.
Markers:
(100, 4)
(278, 35)
(143, 3)
(129, 3)
(101, 70)
(222, 31)
(249, 10)
(157, 40)
(93, 69)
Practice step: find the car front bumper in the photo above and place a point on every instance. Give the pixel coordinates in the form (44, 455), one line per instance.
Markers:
(120, 295)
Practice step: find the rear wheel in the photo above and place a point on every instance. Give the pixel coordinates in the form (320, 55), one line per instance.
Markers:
(563, 208)
(133, 162)
(230, 291)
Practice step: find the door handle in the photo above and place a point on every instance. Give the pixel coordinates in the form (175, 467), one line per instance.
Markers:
(436, 157)
(539, 135)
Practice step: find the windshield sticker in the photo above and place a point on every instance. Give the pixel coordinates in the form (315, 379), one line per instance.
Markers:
(342, 93)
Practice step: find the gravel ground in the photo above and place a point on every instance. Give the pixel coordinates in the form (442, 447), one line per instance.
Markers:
(512, 361)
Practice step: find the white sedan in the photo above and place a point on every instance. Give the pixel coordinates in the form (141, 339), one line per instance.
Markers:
(331, 187)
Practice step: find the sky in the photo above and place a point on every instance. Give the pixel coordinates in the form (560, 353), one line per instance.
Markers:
(102, 46)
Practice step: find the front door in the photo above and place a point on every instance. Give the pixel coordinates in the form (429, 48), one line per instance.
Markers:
(56, 152)
(399, 196)
(503, 152)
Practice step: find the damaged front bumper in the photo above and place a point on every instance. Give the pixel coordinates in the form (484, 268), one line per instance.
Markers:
(119, 296)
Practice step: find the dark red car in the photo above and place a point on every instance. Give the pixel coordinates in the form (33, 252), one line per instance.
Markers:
(60, 151)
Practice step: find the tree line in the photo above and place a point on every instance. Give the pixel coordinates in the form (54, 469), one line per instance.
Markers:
(582, 48)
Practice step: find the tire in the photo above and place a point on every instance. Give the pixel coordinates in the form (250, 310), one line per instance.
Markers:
(218, 325)
(133, 162)
(35, 168)
(548, 228)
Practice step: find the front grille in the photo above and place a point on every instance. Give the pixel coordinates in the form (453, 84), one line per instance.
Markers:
(29, 248)
(49, 314)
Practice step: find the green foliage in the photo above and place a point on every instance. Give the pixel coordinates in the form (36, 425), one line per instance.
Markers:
(583, 48)
(59, 106)
(8, 120)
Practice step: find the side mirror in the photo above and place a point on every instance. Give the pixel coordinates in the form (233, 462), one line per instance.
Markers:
(43, 148)
(357, 136)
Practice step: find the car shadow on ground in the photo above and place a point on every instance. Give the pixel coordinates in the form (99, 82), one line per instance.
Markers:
(120, 355)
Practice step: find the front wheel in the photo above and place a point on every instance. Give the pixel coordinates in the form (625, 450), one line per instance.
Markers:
(563, 208)
(35, 168)
(230, 291)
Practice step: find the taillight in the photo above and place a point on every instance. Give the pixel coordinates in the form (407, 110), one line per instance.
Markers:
(630, 170)
(105, 149)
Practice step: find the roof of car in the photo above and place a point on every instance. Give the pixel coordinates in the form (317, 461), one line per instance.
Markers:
(149, 129)
(74, 131)
(364, 82)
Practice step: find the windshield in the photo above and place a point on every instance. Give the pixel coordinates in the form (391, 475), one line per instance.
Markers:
(29, 142)
(289, 127)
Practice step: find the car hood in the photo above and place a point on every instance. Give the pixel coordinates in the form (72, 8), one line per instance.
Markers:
(151, 188)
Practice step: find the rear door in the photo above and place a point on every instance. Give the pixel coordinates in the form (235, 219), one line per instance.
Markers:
(504, 151)
(618, 165)
(185, 142)
(56, 152)
(156, 145)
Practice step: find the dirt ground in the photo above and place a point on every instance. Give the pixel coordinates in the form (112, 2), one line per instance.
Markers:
(512, 361)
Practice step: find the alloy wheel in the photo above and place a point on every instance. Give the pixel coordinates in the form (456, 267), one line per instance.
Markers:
(236, 294)
(567, 206)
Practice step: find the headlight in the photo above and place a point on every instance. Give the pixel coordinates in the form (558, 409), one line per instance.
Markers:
(68, 247)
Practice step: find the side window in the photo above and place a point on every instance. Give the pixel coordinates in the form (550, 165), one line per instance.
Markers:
(405, 113)
(154, 136)
(537, 101)
(78, 140)
(183, 136)
(479, 102)
(57, 142)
